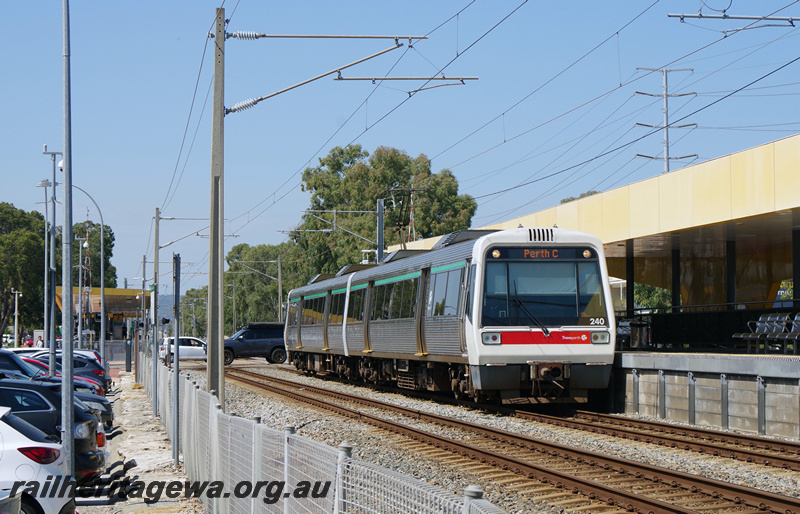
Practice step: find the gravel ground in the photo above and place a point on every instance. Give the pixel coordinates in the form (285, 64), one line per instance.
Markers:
(375, 446)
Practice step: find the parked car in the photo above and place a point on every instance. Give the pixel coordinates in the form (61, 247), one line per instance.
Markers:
(101, 406)
(81, 365)
(10, 363)
(257, 340)
(41, 407)
(26, 449)
(43, 370)
(190, 348)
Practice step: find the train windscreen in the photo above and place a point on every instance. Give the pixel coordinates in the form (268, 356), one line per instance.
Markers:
(543, 292)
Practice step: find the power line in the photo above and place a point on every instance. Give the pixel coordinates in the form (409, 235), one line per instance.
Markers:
(629, 143)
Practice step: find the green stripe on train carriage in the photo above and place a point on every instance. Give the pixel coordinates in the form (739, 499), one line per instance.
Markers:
(311, 296)
(407, 276)
(344, 289)
(448, 267)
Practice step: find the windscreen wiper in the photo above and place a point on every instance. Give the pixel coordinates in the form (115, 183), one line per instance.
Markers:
(533, 318)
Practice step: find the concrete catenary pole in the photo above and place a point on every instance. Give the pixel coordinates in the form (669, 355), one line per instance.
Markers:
(156, 321)
(215, 372)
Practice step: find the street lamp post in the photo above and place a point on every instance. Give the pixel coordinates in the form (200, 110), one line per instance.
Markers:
(102, 278)
(81, 247)
(52, 334)
(17, 294)
(45, 184)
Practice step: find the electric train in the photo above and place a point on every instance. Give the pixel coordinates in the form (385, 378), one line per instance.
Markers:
(490, 315)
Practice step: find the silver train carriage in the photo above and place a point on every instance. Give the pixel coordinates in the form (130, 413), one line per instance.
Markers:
(490, 315)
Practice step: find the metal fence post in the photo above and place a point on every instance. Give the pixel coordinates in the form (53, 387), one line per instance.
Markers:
(472, 492)
(345, 452)
(287, 494)
(258, 450)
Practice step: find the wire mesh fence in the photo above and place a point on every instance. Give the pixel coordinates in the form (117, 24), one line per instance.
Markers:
(244, 466)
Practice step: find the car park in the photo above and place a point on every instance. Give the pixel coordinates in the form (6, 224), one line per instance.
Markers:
(257, 340)
(27, 454)
(191, 348)
(41, 407)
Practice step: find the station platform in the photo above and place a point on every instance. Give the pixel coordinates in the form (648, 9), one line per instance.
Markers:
(757, 394)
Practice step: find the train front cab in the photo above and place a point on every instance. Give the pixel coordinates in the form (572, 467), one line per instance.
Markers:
(540, 322)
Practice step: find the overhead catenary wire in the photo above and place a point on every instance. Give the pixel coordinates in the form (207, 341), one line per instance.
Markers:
(629, 143)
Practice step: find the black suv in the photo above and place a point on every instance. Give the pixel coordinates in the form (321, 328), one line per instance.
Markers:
(257, 340)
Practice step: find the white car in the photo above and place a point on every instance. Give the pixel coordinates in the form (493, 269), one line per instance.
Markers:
(191, 348)
(27, 455)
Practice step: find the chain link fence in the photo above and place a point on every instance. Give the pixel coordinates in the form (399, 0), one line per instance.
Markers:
(274, 471)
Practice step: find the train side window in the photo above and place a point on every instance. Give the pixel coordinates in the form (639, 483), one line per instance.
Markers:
(452, 297)
(355, 311)
(410, 298)
(292, 316)
(436, 296)
(378, 294)
(396, 300)
(468, 292)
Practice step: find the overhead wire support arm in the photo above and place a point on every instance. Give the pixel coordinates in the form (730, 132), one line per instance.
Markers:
(253, 101)
(248, 34)
(375, 79)
(338, 227)
(788, 19)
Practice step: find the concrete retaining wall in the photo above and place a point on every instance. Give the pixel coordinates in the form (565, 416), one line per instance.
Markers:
(752, 394)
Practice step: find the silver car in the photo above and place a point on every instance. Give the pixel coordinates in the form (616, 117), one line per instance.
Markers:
(191, 348)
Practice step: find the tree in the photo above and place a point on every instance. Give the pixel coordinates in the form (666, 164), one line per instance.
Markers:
(349, 179)
(91, 231)
(582, 195)
(654, 298)
(21, 264)
(253, 274)
(193, 312)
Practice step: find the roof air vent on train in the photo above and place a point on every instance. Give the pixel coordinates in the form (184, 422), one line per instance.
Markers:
(541, 234)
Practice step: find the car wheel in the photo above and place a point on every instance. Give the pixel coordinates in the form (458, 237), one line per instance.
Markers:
(278, 356)
(228, 357)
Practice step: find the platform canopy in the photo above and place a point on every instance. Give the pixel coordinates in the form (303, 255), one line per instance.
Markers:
(124, 302)
(728, 229)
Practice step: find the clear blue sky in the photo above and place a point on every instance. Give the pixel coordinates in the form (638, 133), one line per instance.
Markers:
(555, 98)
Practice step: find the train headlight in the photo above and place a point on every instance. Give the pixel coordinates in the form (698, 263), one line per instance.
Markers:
(491, 338)
(587, 253)
(600, 337)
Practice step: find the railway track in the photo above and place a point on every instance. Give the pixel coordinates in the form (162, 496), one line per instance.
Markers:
(746, 448)
(570, 478)
(757, 450)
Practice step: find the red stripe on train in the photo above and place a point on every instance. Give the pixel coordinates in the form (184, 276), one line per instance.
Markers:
(539, 338)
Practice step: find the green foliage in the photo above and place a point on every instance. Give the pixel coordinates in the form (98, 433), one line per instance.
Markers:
(349, 179)
(193, 312)
(582, 195)
(21, 264)
(786, 291)
(92, 230)
(654, 298)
